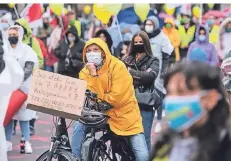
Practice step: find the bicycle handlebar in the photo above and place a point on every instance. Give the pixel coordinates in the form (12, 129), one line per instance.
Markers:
(95, 103)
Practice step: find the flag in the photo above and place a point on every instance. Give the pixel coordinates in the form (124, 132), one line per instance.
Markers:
(33, 13)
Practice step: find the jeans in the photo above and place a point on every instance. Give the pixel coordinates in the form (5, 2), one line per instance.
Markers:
(49, 68)
(25, 129)
(137, 143)
(147, 120)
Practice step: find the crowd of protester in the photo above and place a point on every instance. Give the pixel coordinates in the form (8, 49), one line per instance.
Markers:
(145, 62)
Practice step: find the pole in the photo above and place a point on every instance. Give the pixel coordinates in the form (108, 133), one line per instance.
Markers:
(118, 26)
(201, 7)
(16, 12)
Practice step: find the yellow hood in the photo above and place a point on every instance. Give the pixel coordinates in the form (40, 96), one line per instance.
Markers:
(170, 20)
(103, 46)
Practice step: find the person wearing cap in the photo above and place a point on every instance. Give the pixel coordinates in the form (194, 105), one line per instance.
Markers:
(187, 31)
(46, 29)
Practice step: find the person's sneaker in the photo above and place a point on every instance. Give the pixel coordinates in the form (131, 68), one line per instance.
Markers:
(158, 127)
(28, 148)
(32, 131)
(9, 146)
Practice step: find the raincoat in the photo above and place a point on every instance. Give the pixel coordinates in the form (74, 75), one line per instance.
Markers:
(209, 48)
(173, 36)
(115, 86)
(24, 53)
(10, 79)
(27, 39)
(225, 39)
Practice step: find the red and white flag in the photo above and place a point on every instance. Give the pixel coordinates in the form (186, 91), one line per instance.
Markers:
(33, 13)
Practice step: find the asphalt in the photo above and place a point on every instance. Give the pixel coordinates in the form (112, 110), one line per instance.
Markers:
(41, 140)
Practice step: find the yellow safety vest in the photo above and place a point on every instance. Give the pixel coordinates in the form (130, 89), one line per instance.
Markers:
(186, 37)
(78, 26)
(214, 34)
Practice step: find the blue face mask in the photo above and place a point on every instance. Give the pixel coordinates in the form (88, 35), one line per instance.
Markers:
(183, 111)
(210, 22)
(202, 37)
(228, 29)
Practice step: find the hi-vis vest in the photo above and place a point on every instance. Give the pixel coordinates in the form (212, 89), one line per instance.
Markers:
(214, 34)
(77, 24)
(186, 38)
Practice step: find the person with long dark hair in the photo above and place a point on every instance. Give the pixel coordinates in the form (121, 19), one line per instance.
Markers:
(144, 69)
(106, 37)
(198, 115)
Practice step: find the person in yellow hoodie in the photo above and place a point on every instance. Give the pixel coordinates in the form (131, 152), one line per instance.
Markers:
(109, 78)
(29, 40)
(173, 35)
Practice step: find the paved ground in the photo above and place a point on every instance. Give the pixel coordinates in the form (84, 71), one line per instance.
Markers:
(40, 141)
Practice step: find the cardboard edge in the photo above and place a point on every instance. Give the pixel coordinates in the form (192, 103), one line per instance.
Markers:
(51, 112)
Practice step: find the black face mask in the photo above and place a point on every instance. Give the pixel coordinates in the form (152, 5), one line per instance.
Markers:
(139, 48)
(45, 25)
(13, 40)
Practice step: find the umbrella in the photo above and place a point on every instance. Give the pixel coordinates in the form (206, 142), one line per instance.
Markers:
(214, 13)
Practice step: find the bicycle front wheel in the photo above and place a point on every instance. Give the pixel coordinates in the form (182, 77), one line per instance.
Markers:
(59, 155)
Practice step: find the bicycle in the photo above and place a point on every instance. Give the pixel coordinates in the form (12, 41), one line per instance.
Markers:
(94, 149)
(60, 148)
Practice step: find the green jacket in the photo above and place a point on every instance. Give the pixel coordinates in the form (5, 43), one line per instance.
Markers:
(26, 39)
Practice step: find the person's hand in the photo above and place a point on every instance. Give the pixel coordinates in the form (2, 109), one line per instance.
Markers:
(91, 68)
(71, 45)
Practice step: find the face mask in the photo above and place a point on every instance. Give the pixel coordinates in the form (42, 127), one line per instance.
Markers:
(13, 40)
(168, 26)
(185, 20)
(97, 23)
(228, 29)
(202, 37)
(149, 29)
(4, 26)
(183, 111)
(210, 22)
(71, 38)
(94, 57)
(139, 48)
(45, 25)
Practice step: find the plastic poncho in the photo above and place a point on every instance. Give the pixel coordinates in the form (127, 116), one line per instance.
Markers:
(10, 79)
(115, 86)
(26, 39)
(23, 53)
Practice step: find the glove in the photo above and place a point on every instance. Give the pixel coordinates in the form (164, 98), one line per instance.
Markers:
(104, 106)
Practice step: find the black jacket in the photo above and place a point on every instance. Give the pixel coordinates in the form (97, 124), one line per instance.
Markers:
(70, 59)
(144, 71)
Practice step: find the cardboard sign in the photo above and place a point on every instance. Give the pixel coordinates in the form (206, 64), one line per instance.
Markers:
(56, 94)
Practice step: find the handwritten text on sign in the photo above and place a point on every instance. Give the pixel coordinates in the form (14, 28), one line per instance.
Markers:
(58, 92)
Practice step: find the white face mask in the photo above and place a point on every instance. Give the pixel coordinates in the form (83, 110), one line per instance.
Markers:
(149, 29)
(94, 57)
(71, 38)
(97, 23)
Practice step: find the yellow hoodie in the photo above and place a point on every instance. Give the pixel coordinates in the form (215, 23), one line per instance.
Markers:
(114, 85)
(173, 36)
